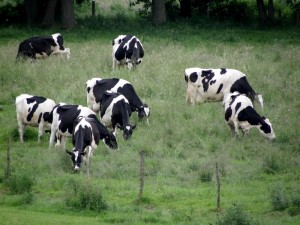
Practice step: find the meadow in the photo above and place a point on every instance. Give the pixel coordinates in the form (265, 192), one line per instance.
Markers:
(182, 143)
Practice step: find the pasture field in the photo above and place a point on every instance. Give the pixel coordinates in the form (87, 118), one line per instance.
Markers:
(182, 143)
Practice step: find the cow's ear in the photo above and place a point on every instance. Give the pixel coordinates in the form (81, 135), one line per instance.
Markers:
(263, 117)
(69, 152)
(118, 125)
(133, 126)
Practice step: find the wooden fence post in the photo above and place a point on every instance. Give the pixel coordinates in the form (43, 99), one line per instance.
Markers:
(7, 170)
(218, 186)
(142, 175)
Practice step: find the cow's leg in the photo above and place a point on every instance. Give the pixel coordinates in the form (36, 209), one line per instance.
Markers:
(87, 159)
(41, 130)
(52, 135)
(21, 128)
(236, 128)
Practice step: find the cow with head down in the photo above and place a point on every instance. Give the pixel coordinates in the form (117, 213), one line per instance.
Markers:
(33, 111)
(213, 84)
(63, 117)
(127, 50)
(96, 87)
(240, 114)
(115, 112)
(85, 139)
(42, 47)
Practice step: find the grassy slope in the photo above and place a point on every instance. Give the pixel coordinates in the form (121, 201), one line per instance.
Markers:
(182, 142)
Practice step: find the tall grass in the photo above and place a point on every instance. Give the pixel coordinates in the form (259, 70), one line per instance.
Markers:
(182, 143)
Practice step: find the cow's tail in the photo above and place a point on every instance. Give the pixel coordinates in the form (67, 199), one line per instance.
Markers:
(259, 99)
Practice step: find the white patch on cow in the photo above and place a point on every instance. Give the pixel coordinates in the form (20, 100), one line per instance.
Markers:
(127, 127)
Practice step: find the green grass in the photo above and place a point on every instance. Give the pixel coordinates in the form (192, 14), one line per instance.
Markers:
(181, 141)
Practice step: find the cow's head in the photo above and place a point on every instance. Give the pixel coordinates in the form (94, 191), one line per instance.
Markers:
(110, 140)
(266, 129)
(127, 130)
(76, 158)
(143, 111)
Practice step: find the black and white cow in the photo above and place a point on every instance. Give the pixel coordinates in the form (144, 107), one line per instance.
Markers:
(115, 111)
(63, 117)
(213, 84)
(239, 113)
(42, 47)
(85, 139)
(33, 111)
(128, 50)
(96, 87)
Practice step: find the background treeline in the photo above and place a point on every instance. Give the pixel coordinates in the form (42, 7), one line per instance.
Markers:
(47, 13)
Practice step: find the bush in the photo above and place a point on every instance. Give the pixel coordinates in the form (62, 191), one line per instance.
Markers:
(19, 183)
(236, 215)
(81, 195)
(279, 199)
(294, 209)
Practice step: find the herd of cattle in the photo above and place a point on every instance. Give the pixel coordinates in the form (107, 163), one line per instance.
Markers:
(111, 101)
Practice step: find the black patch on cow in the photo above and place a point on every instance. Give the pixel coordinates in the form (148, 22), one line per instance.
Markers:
(232, 98)
(250, 115)
(122, 50)
(265, 128)
(207, 75)
(67, 114)
(40, 117)
(228, 113)
(103, 85)
(60, 42)
(88, 90)
(37, 100)
(242, 86)
(220, 88)
(238, 105)
(223, 71)
(193, 77)
(212, 82)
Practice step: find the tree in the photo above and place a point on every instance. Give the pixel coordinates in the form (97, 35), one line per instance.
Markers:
(185, 8)
(158, 12)
(264, 15)
(36, 9)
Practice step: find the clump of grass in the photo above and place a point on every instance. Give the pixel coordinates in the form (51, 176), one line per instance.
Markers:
(278, 197)
(83, 195)
(236, 215)
(19, 183)
(294, 208)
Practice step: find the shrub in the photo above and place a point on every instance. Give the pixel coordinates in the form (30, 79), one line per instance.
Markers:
(83, 195)
(279, 199)
(19, 183)
(294, 208)
(236, 215)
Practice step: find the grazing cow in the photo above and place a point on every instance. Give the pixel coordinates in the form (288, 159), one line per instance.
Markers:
(239, 113)
(85, 139)
(42, 47)
(213, 84)
(33, 111)
(96, 87)
(115, 110)
(128, 50)
(63, 117)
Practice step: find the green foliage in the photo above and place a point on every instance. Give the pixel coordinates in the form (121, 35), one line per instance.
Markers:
(19, 183)
(294, 208)
(236, 215)
(278, 197)
(82, 194)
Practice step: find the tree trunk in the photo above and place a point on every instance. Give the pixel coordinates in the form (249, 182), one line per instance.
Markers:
(270, 10)
(158, 12)
(261, 11)
(68, 15)
(185, 8)
(48, 19)
(31, 8)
